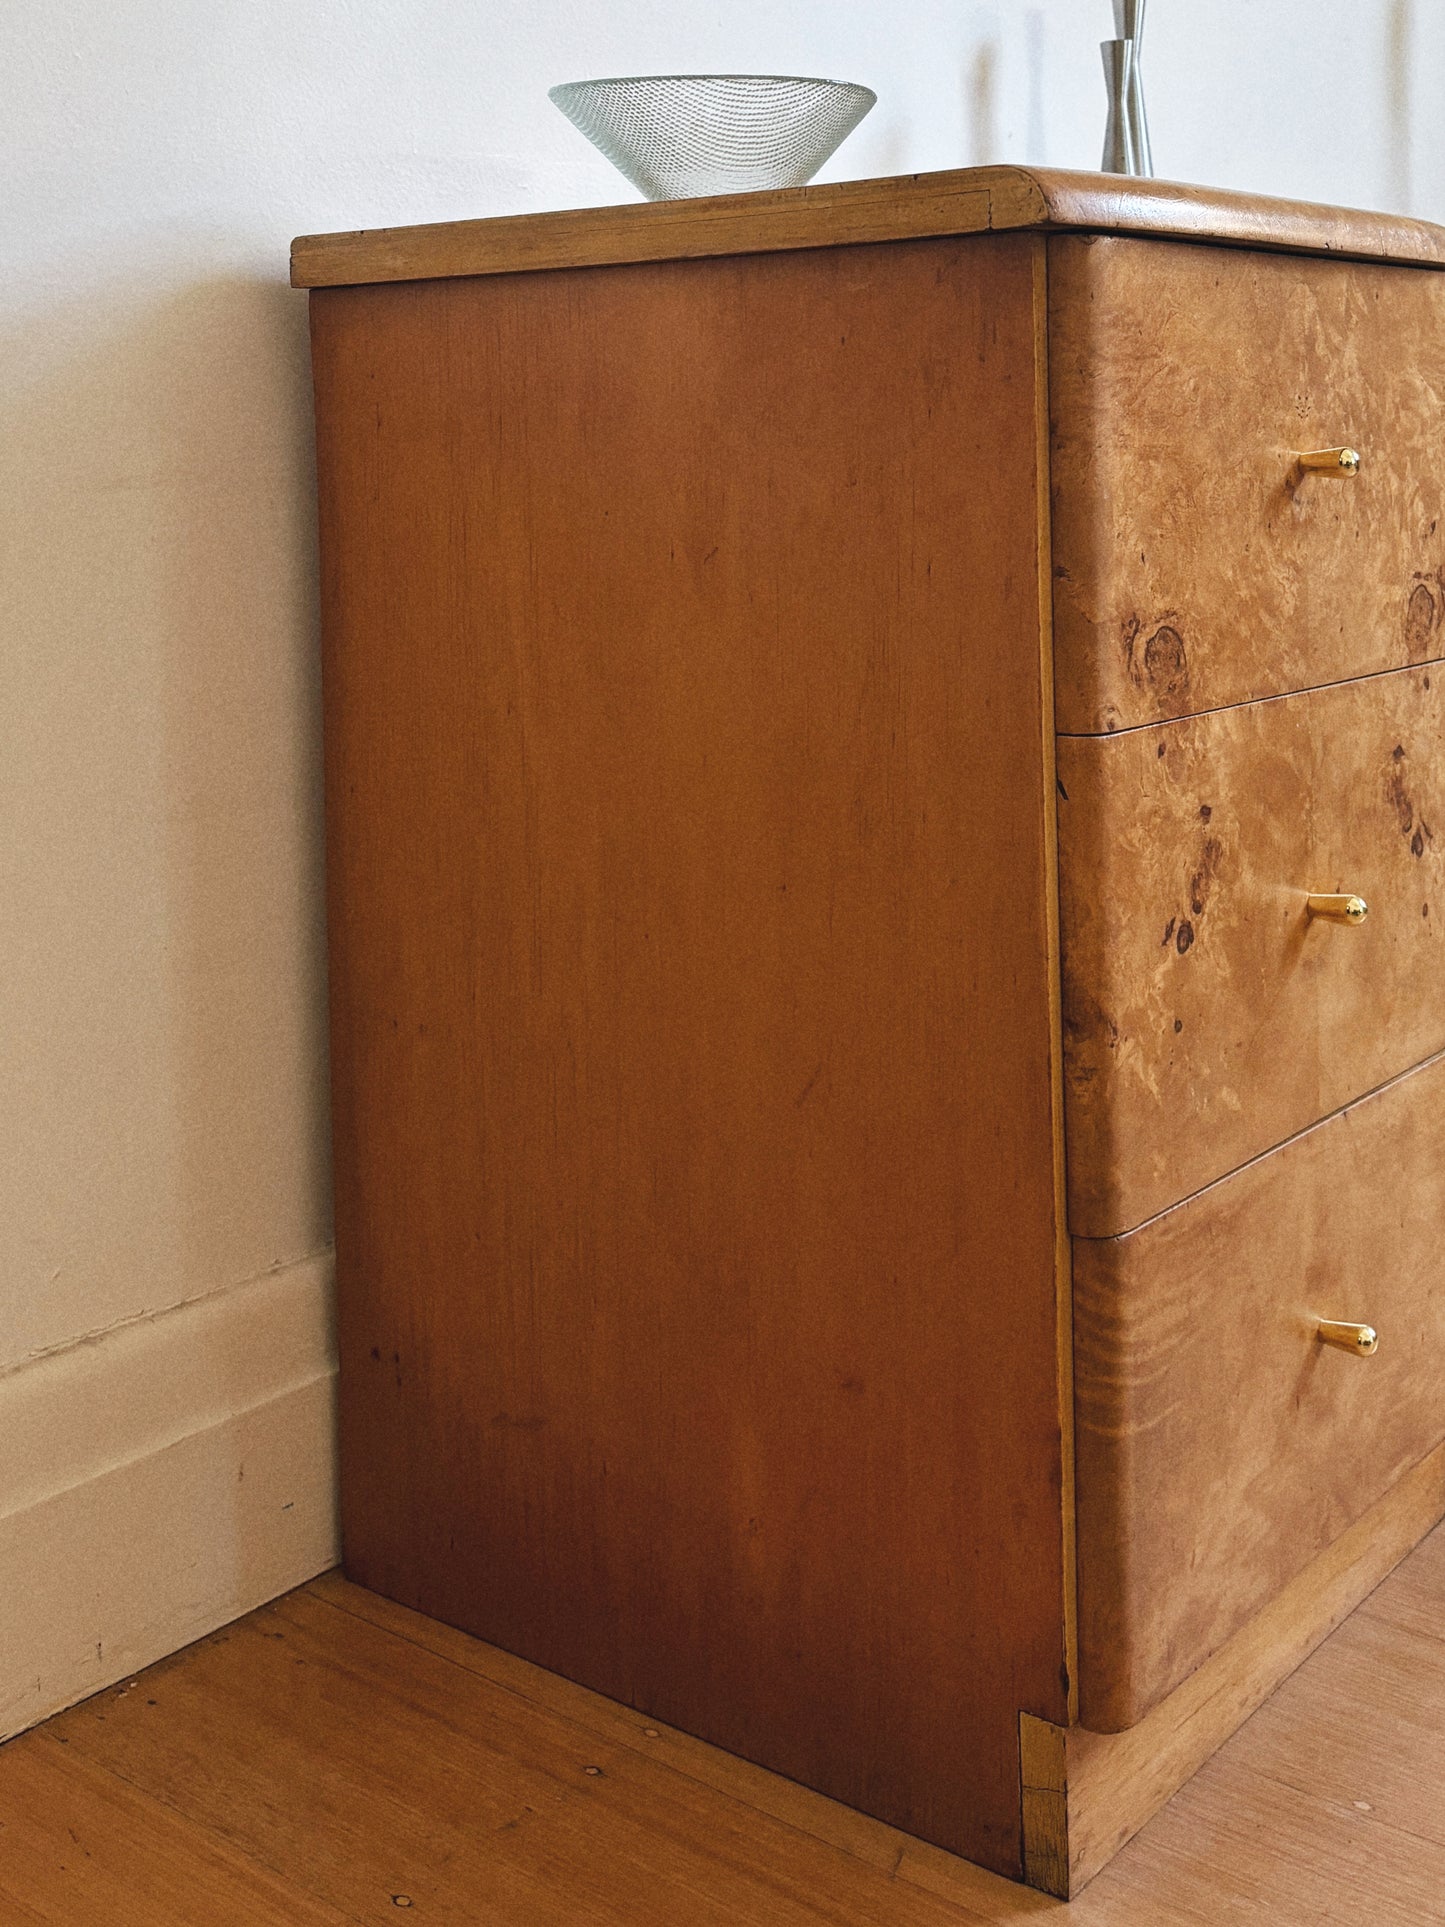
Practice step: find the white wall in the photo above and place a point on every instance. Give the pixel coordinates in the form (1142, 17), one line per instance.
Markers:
(164, 1216)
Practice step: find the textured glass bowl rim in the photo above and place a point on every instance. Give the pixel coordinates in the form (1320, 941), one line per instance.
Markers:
(789, 80)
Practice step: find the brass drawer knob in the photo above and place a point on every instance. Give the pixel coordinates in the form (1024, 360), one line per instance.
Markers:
(1331, 461)
(1337, 909)
(1362, 1341)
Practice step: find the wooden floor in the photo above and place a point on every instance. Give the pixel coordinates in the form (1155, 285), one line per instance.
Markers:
(335, 1759)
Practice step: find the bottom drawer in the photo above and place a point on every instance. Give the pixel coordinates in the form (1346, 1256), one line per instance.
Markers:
(1220, 1443)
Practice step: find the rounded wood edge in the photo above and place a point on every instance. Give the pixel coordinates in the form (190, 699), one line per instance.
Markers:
(1182, 211)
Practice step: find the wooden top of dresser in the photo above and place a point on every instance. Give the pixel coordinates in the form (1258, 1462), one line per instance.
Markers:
(971, 200)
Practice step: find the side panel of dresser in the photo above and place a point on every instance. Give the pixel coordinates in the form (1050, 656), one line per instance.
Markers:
(1196, 565)
(1208, 1014)
(689, 801)
(1221, 1444)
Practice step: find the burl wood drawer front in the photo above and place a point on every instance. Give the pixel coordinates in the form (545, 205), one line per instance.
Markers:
(1207, 1015)
(1220, 1444)
(1194, 564)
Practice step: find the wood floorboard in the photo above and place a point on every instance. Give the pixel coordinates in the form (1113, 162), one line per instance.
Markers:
(337, 1759)
(1362, 1728)
(1236, 1847)
(897, 1854)
(266, 1736)
(80, 1845)
(1413, 1597)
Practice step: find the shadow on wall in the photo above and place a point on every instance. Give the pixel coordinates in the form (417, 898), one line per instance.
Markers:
(981, 105)
(1399, 38)
(163, 1060)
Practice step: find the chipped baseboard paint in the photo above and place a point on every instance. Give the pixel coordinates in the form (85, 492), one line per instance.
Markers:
(161, 1479)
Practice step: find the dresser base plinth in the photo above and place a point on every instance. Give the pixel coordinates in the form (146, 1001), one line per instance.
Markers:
(1086, 1794)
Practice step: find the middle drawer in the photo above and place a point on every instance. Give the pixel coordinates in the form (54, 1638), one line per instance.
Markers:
(1207, 1014)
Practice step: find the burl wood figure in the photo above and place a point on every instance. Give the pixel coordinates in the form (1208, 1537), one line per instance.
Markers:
(885, 811)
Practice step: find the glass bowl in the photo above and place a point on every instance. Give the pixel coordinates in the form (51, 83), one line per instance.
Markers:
(676, 136)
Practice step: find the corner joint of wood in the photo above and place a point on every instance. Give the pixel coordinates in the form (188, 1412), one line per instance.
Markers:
(1044, 1790)
(1017, 200)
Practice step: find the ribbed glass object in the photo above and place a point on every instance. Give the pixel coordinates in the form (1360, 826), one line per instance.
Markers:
(676, 136)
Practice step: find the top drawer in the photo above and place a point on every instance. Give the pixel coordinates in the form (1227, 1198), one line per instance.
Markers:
(1195, 565)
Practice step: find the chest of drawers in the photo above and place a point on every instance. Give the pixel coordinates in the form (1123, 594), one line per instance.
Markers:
(863, 1122)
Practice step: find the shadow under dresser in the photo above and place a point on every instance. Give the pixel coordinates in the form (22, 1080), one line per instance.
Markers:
(886, 825)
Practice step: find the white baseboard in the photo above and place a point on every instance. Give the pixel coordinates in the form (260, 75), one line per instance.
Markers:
(159, 1480)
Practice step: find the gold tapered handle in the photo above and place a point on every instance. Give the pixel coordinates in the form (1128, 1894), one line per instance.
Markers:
(1361, 1340)
(1337, 909)
(1331, 461)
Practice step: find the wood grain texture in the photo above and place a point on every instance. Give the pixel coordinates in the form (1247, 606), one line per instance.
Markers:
(1380, 1667)
(1207, 1016)
(81, 1845)
(1257, 1853)
(898, 1856)
(1086, 1794)
(1220, 1445)
(1045, 1802)
(1195, 566)
(359, 1768)
(1413, 1602)
(843, 213)
(688, 870)
(308, 1755)
(1063, 1251)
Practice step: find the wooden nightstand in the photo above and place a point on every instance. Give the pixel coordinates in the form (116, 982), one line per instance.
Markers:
(835, 700)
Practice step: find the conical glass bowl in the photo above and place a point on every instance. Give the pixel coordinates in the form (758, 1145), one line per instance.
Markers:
(676, 136)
